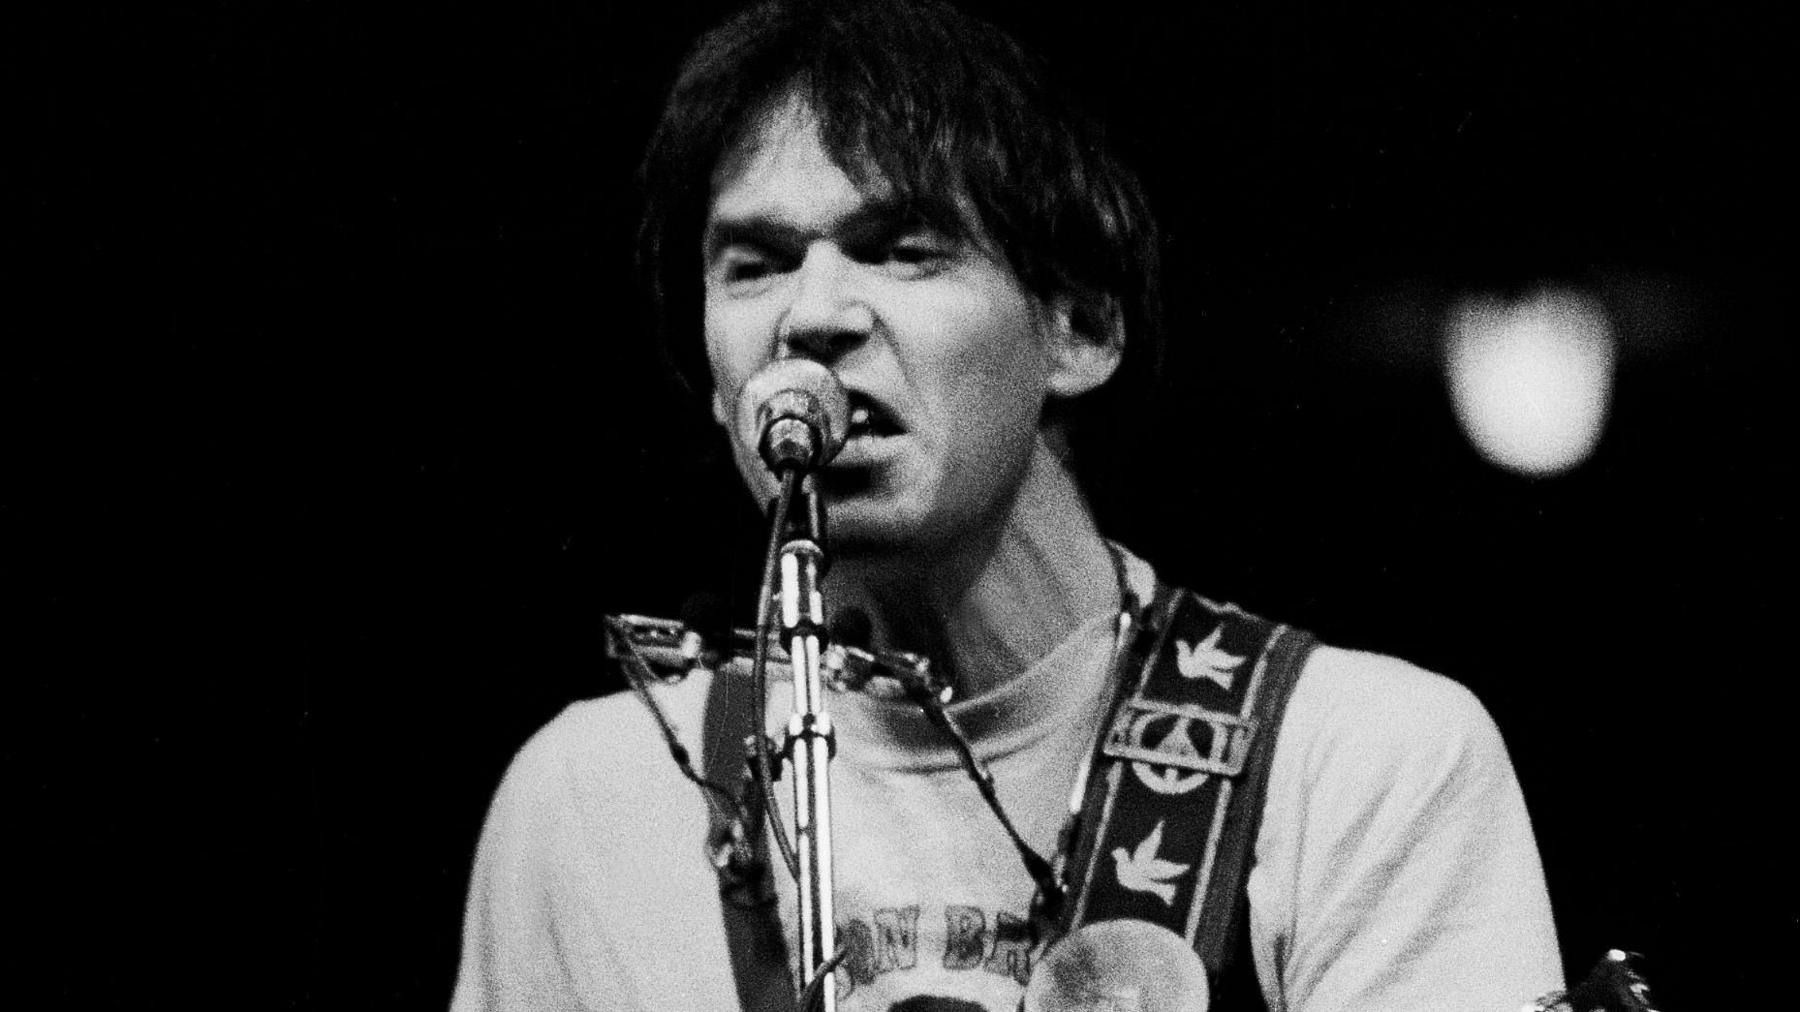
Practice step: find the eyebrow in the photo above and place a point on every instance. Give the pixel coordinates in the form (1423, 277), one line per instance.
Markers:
(871, 219)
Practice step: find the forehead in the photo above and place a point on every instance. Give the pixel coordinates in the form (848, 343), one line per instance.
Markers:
(780, 168)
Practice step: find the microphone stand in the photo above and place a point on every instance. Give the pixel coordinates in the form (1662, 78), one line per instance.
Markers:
(809, 741)
(795, 412)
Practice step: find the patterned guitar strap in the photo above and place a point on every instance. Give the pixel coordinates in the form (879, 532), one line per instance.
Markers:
(1174, 794)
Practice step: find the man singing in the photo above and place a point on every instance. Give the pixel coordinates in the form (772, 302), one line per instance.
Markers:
(894, 191)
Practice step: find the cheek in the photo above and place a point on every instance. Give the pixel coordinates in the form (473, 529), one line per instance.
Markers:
(731, 353)
(999, 364)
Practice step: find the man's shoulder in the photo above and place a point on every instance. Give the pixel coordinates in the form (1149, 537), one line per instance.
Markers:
(621, 718)
(607, 740)
(1381, 711)
(1370, 686)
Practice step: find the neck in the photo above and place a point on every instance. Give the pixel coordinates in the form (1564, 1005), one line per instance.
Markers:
(994, 602)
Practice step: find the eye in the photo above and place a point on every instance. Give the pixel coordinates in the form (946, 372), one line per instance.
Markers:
(744, 268)
(919, 253)
(913, 252)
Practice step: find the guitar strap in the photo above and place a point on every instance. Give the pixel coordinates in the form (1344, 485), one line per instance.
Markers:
(759, 964)
(1175, 791)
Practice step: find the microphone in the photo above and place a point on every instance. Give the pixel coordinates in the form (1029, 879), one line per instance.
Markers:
(1124, 965)
(796, 414)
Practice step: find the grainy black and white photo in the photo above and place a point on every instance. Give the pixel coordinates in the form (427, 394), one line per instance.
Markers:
(899, 506)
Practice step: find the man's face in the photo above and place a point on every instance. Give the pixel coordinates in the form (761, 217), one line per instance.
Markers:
(944, 352)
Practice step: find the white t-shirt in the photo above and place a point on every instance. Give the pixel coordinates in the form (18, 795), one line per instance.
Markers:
(1395, 867)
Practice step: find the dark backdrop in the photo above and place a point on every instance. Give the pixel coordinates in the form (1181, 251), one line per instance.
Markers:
(332, 432)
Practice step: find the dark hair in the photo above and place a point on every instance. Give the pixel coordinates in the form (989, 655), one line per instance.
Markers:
(936, 106)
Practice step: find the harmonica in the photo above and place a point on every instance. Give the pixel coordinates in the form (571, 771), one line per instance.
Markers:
(669, 652)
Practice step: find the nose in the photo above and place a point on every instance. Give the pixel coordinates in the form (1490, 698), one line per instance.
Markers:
(828, 316)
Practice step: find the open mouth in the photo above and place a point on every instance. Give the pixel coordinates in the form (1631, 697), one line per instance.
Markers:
(869, 419)
(868, 446)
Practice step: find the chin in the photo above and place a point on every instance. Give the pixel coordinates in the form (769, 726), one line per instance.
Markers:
(861, 527)
(871, 522)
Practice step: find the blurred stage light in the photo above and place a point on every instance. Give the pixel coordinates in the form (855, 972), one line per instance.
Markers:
(1530, 381)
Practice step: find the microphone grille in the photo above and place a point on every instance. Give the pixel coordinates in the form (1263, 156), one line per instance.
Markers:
(799, 389)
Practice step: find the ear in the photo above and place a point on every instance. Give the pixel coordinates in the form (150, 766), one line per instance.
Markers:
(1085, 340)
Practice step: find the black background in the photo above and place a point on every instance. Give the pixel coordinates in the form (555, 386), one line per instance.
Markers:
(333, 429)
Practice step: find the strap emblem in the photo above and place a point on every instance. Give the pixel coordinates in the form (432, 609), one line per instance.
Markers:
(1158, 738)
(1142, 871)
(1206, 660)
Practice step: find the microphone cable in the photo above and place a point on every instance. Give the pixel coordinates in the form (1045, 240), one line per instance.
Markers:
(759, 668)
(727, 805)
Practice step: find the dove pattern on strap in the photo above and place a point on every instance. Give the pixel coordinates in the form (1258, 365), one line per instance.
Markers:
(1174, 796)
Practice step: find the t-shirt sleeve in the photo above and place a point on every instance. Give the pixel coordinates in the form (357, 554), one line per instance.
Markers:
(590, 887)
(1396, 866)
(517, 917)
(509, 957)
